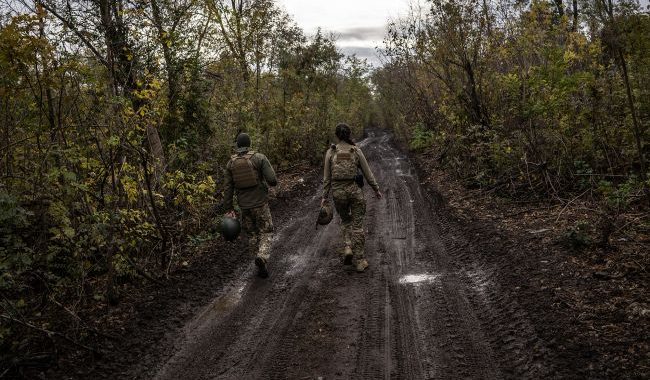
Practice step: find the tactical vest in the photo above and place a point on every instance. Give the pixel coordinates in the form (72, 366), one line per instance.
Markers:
(244, 173)
(344, 163)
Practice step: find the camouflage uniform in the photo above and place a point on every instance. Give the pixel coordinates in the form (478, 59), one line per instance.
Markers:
(253, 201)
(258, 225)
(341, 163)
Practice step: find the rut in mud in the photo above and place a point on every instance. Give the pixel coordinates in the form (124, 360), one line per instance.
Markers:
(423, 310)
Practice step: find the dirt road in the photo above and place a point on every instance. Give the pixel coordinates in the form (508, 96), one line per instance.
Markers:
(423, 310)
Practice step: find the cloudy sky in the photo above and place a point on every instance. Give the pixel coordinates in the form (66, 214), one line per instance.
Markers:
(360, 25)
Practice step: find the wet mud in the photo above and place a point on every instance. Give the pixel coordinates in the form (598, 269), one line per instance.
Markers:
(424, 309)
(446, 296)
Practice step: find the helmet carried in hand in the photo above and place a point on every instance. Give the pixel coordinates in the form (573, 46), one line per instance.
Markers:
(230, 228)
(325, 214)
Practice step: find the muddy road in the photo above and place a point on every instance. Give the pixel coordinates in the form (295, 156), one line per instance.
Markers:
(423, 310)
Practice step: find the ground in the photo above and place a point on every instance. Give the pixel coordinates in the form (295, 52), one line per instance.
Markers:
(456, 289)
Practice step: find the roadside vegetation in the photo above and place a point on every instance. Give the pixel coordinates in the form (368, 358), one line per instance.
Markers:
(543, 98)
(116, 118)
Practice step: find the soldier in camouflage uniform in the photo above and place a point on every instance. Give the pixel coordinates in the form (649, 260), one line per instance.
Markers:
(249, 175)
(341, 164)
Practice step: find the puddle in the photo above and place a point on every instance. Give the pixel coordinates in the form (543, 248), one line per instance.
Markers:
(219, 307)
(417, 279)
(224, 304)
(228, 301)
(404, 173)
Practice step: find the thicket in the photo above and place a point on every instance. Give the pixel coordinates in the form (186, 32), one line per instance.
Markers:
(542, 98)
(117, 117)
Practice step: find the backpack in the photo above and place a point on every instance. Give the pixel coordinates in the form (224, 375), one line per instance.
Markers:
(344, 163)
(244, 173)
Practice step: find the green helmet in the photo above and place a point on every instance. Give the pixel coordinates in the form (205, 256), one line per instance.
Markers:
(230, 228)
(325, 214)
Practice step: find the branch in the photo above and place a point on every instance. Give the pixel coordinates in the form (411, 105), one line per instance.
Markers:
(48, 332)
(83, 39)
(141, 271)
(214, 8)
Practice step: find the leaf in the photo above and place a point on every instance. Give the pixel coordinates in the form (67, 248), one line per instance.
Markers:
(69, 232)
(113, 141)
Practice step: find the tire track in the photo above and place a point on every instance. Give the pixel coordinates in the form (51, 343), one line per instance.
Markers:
(425, 309)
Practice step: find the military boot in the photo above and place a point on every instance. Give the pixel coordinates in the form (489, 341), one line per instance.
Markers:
(347, 256)
(261, 267)
(362, 264)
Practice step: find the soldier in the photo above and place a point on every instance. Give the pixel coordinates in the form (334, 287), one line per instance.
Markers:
(341, 163)
(249, 175)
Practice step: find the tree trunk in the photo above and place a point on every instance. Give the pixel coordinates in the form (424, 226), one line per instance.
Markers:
(635, 122)
(171, 65)
(574, 26)
(476, 106)
(636, 128)
(559, 5)
(51, 118)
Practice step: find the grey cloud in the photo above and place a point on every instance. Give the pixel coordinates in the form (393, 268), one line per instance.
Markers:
(370, 33)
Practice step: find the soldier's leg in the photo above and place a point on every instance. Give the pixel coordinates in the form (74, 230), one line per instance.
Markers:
(342, 206)
(357, 233)
(249, 225)
(264, 224)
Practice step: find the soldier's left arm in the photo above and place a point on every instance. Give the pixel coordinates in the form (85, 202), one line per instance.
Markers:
(268, 172)
(365, 168)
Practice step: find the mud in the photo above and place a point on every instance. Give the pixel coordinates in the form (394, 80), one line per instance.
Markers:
(438, 301)
(424, 308)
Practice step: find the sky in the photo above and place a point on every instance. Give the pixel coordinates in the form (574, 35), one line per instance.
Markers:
(359, 25)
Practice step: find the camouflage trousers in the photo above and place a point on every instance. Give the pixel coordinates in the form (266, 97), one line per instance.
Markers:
(258, 225)
(351, 207)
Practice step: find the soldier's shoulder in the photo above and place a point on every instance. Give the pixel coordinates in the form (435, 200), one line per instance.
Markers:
(230, 160)
(259, 156)
(353, 148)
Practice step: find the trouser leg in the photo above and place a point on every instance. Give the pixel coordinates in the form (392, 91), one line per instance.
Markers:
(342, 206)
(357, 233)
(249, 226)
(264, 224)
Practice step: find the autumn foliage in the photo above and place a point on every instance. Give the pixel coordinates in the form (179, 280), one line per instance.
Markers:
(117, 119)
(542, 97)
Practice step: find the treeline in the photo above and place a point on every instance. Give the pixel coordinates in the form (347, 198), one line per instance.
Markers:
(542, 98)
(117, 117)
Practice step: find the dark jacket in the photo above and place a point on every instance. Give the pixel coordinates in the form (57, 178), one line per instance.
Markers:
(251, 197)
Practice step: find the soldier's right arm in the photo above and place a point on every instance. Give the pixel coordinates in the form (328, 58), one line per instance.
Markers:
(327, 178)
(230, 189)
(268, 172)
(365, 168)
